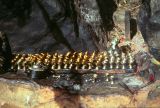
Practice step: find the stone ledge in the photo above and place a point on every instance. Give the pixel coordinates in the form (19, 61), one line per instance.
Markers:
(28, 94)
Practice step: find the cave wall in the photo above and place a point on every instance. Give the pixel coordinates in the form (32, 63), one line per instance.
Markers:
(35, 26)
(149, 24)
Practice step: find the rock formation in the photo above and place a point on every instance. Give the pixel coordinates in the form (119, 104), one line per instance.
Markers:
(149, 23)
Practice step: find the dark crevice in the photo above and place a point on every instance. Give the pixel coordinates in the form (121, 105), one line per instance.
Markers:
(5, 51)
(107, 8)
(133, 28)
(74, 18)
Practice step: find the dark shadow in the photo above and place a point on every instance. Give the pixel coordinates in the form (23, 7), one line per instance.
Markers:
(20, 9)
(5, 52)
(67, 100)
(133, 27)
(107, 8)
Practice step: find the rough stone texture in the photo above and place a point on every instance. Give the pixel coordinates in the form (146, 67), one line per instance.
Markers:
(148, 21)
(28, 94)
(35, 35)
(119, 17)
(138, 43)
(46, 29)
(35, 26)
